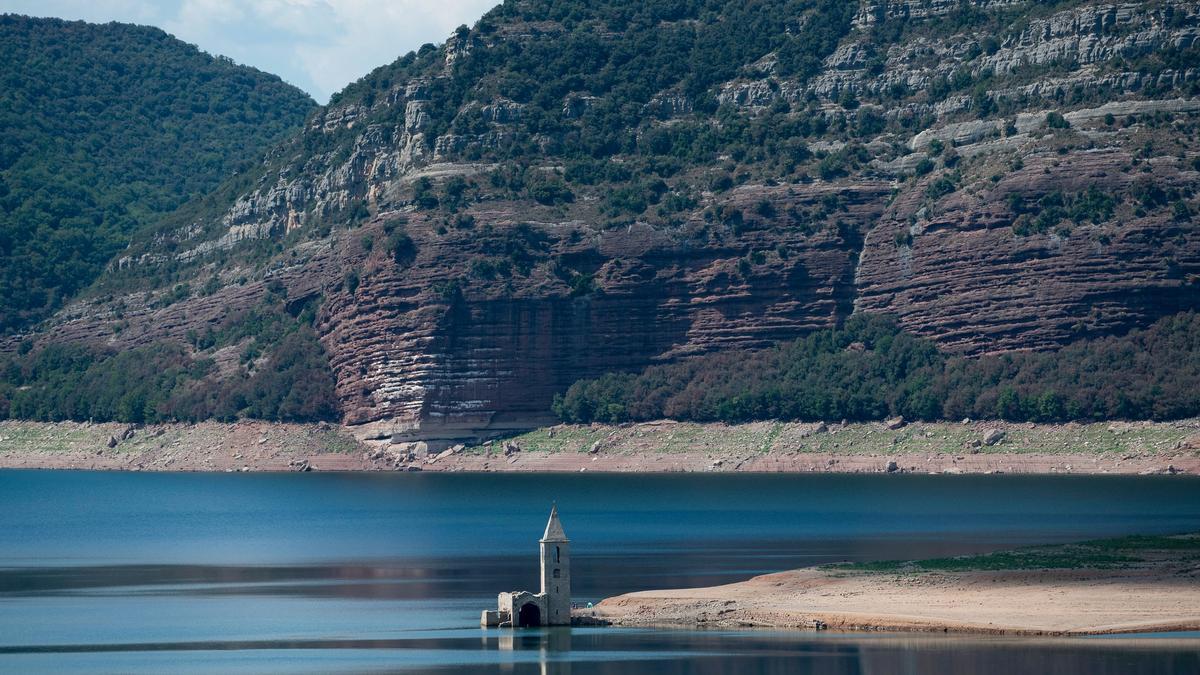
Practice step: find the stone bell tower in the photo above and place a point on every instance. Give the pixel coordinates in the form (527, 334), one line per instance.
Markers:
(556, 572)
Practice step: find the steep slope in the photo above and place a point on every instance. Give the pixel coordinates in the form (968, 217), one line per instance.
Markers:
(571, 188)
(106, 128)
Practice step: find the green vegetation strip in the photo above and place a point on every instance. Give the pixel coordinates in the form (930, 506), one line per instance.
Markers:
(1097, 554)
(870, 369)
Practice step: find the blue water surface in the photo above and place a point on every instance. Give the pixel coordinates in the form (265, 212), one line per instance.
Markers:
(137, 572)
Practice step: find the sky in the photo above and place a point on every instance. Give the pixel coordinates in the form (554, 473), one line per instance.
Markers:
(317, 45)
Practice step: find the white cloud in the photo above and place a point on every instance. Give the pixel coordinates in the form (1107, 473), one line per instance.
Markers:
(371, 34)
(317, 45)
(100, 11)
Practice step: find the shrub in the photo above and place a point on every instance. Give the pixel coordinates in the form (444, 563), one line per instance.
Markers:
(1055, 120)
(941, 187)
(765, 209)
(551, 192)
(402, 248)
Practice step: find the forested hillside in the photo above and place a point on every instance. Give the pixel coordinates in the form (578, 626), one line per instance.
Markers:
(106, 128)
(649, 198)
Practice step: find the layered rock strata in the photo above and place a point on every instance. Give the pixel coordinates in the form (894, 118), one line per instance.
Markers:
(506, 300)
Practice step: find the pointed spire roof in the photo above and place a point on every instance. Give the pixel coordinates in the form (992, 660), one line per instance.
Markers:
(554, 530)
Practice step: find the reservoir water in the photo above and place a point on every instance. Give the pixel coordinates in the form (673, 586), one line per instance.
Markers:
(135, 572)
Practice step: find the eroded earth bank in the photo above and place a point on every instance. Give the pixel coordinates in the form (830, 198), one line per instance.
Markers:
(950, 448)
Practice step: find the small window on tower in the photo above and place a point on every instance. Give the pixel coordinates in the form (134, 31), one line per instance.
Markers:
(555, 572)
(557, 553)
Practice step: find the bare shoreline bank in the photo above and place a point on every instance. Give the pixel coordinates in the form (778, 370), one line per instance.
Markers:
(1152, 591)
(1122, 448)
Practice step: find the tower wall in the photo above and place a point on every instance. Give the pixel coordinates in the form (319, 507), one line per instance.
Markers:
(556, 581)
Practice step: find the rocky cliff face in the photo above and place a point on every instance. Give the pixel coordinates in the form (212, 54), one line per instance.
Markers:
(995, 189)
(953, 269)
(416, 358)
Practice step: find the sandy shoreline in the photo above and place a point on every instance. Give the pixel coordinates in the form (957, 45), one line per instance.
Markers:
(1157, 595)
(657, 447)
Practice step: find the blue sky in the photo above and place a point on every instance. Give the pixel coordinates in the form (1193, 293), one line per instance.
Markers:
(317, 45)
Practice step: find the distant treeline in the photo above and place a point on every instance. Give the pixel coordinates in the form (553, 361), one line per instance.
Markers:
(866, 370)
(869, 369)
(276, 370)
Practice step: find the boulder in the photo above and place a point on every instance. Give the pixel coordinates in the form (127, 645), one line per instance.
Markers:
(895, 423)
(511, 448)
(993, 436)
(112, 442)
(892, 466)
(595, 449)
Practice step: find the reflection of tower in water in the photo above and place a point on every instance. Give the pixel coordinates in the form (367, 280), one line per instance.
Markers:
(556, 652)
(552, 645)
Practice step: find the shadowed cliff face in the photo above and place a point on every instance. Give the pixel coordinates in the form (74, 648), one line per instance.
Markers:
(1014, 177)
(424, 350)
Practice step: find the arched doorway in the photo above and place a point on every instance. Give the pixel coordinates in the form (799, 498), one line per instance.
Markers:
(529, 616)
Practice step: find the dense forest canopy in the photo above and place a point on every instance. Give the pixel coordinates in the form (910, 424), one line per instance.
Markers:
(870, 369)
(105, 128)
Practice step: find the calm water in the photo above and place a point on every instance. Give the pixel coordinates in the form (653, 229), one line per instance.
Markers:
(114, 572)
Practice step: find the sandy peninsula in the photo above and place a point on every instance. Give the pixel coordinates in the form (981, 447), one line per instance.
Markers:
(1144, 584)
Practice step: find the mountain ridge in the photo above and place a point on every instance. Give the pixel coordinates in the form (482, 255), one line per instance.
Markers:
(479, 231)
(108, 127)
